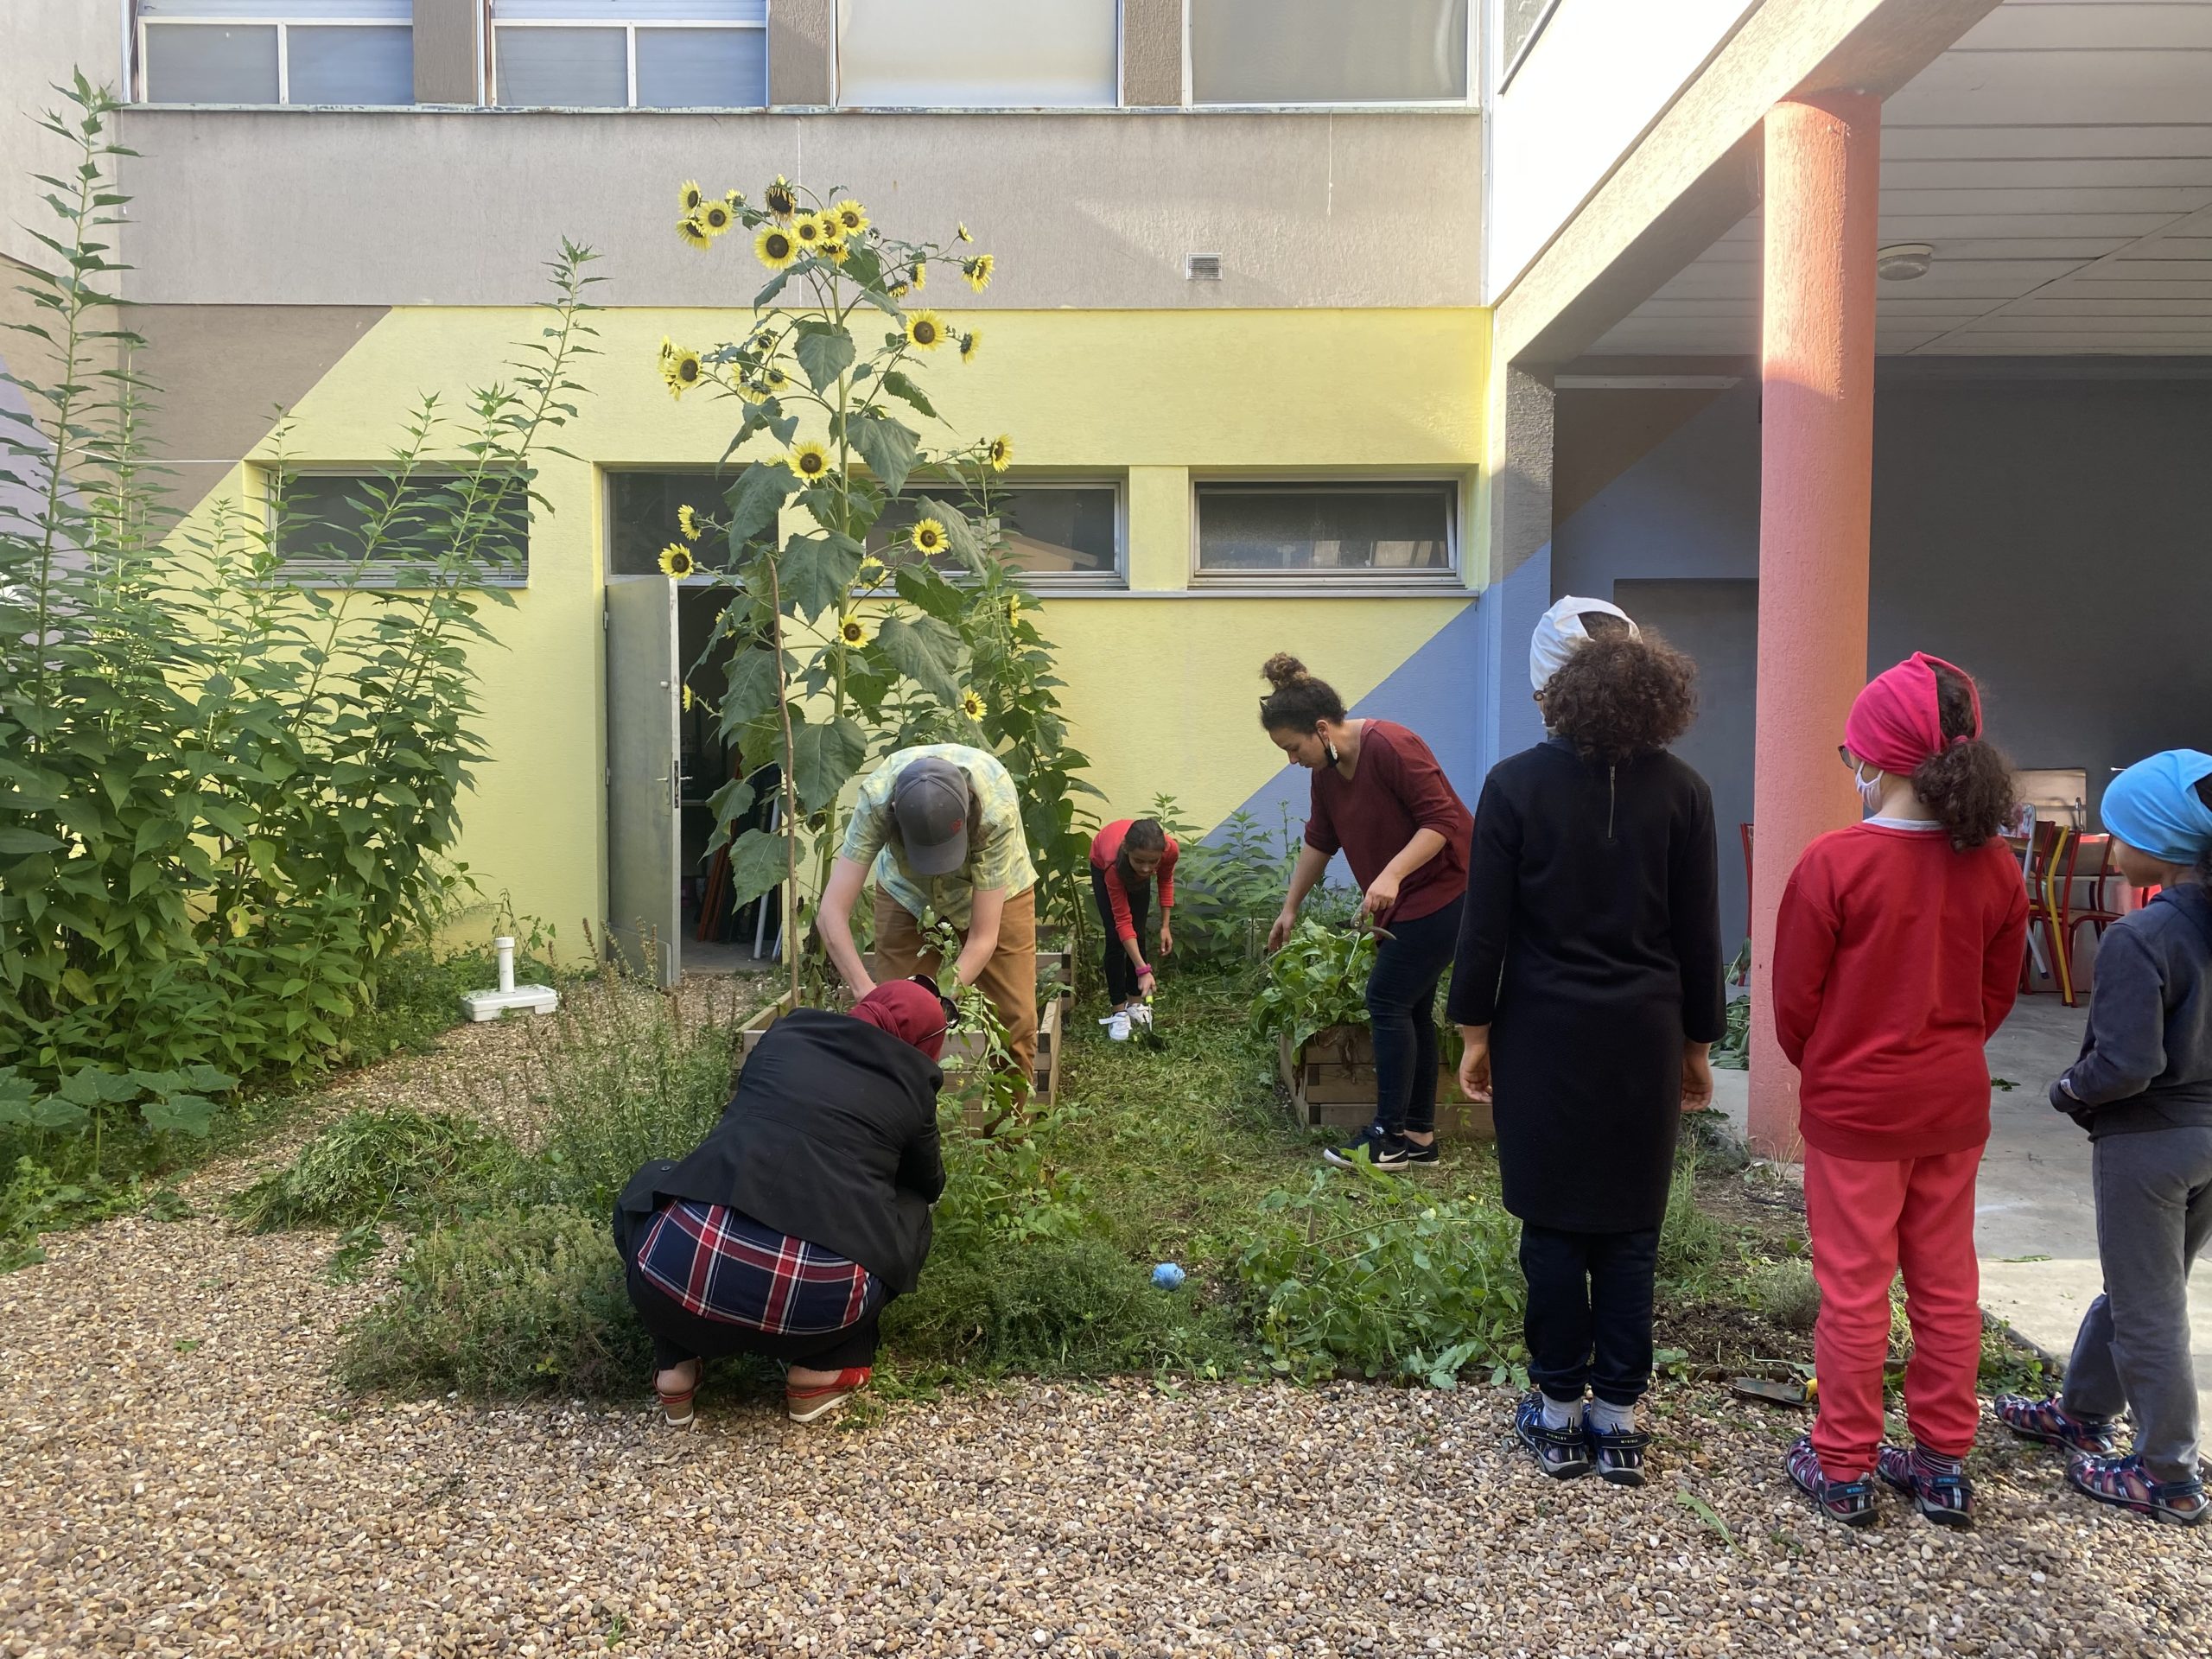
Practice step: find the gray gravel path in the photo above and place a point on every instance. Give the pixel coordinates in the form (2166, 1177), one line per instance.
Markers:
(182, 1477)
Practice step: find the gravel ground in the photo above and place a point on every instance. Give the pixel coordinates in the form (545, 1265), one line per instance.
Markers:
(183, 1476)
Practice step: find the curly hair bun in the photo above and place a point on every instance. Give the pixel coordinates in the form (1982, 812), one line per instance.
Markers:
(1282, 670)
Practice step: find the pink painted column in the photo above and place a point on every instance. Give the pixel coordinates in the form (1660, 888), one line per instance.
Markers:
(1816, 458)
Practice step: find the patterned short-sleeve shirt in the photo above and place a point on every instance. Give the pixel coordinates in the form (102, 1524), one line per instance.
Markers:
(998, 850)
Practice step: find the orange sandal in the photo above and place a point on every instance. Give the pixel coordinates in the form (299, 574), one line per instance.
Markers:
(675, 1404)
(805, 1405)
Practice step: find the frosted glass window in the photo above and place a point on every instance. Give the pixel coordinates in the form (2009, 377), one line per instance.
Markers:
(194, 63)
(703, 69)
(351, 65)
(1051, 529)
(573, 68)
(1328, 51)
(1369, 529)
(978, 54)
(323, 537)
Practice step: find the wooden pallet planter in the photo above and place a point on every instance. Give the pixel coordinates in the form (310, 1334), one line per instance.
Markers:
(1332, 1083)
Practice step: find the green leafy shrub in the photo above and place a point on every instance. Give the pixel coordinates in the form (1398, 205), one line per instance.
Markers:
(1362, 1273)
(1733, 1052)
(372, 1165)
(1319, 979)
(1692, 1243)
(1786, 1292)
(505, 1304)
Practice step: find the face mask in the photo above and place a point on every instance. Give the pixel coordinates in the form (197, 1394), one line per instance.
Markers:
(1870, 790)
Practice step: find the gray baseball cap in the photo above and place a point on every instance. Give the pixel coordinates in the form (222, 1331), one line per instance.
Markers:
(930, 801)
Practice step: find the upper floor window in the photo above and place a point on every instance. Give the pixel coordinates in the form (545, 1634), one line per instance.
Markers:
(978, 54)
(366, 529)
(1328, 51)
(276, 51)
(1058, 532)
(623, 54)
(1379, 530)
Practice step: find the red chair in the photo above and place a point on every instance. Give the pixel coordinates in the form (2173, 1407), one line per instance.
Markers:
(2089, 862)
(2039, 851)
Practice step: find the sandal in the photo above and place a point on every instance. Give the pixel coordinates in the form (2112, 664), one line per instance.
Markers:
(1562, 1453)
(675, 1404)
(2125, 1484)
(2052, 1424)
(805, 1405)
(1937, 1485)
(1849, 1502)
(1619, 1455)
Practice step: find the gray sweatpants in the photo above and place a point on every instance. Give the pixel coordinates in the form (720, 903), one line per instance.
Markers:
(2154, 1217)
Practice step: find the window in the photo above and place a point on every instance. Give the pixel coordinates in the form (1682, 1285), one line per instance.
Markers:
(277, 51)
(1520, 23)
(1387, 531)
(324, 533)
(1057, 534)
(1328, 51)
(978, 54)
(641, 517)
(620, 54)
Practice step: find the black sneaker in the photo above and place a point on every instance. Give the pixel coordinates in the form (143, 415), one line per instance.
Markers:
(1618, 1453)
(1851, 1502)
(1416, 1153)
(1384, 1150)
(1938, 1486)
(1562, 1453)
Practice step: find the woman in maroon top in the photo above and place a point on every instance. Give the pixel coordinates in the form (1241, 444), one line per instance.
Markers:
(1381, 799)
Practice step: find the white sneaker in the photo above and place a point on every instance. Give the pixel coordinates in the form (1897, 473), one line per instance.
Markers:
(1118, 1026)
(1141, 1017)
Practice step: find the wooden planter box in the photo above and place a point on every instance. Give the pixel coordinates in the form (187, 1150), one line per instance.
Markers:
(1332, 1083)
(960, 1049)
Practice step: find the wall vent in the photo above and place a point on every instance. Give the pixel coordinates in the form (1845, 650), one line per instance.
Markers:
(1202, 268)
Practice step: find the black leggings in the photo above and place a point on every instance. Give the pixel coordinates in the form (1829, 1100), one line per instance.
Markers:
(1120, 972)
(679, 1334)
(1402, 1014)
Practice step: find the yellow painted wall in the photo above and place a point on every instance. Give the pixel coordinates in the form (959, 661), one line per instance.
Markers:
(1163, 688)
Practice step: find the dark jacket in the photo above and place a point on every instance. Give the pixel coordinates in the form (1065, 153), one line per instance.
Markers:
(2146, 1058)
(1590, 945)
(831, 1137)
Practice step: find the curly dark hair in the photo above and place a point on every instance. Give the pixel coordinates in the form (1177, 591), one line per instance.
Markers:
(1298, 703)
(1621, 695)
(1969, 785)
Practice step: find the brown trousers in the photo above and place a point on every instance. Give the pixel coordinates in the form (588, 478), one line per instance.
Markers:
(1009, 979)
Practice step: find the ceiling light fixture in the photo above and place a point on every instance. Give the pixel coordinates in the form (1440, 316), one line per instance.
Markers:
(1901, 262)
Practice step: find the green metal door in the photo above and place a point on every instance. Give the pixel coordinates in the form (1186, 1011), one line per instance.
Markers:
(643, 694)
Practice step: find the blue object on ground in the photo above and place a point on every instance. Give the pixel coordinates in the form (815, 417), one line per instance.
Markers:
(1167, 1276)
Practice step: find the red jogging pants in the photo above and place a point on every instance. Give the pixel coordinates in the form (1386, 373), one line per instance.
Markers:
(1869, 1219)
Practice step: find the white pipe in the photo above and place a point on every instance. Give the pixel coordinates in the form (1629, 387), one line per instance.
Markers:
(506, 947)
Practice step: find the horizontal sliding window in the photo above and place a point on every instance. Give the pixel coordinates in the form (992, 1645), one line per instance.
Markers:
(620, 54)
(1381, 530)
(341, 52)
(336, 527)
(1069, 532)
(978, 54)
(1328, 51)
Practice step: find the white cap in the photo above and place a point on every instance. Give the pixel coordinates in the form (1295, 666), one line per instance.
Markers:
(1560, 630)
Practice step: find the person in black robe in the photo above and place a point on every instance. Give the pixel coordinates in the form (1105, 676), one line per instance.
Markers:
(1587, 988)
(805, 1211)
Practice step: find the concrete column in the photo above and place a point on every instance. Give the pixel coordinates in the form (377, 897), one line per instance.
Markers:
(802, 51)
(1816, 460)
(1152, 53)
(448, 51)
(1511, 558)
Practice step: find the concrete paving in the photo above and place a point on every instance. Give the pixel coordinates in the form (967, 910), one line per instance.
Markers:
(2035, 1220)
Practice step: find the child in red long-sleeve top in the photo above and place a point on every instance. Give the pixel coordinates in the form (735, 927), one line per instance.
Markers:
(1125, 858)
(1895, 954)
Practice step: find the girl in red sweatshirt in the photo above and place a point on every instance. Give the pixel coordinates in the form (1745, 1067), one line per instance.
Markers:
(1895, 954)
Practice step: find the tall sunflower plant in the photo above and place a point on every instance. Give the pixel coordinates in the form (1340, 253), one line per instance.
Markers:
(871, 604)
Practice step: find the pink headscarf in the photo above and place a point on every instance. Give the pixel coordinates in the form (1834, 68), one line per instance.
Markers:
(1897, 721)
(907, 1011)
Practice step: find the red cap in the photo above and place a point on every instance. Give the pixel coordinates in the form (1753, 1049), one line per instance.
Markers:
(907, 1011)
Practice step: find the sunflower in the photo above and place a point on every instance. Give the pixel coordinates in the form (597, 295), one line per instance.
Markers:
(926, 331)
(810, 460)
(927, 536)
(735, 200)
(871, 568)
(774, 381)
(971, 705)
(964, 236)
(1000, 452)
(775, 247)
(715, 218)
(851, 217)
(687, 699)
(810, 232)
(680, 367)
(900, 290)
(833, 248)
(978, 271)
(676, 561)
(688, 522)
(851, 630)
(921, 273)
(968, 343)
(690, 198)
(779, 198)
(693, 230)
(1012, 609)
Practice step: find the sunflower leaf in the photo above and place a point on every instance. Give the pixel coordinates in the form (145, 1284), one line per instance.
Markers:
(731, 801)
(751, 691)
(959, 534)
(924, 649)
(900, 386)
(758, 494)
(757, 862)
(824, 351)
(887, 447)
(927, 591)
(775, 287)
(825, 759)
(817, 571)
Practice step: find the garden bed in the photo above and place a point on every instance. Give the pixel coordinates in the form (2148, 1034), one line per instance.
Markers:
(1330, 1080)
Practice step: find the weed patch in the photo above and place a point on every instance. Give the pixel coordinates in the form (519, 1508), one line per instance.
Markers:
(373, 1166)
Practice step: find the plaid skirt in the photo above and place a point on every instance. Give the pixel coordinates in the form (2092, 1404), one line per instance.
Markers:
(720, 1265)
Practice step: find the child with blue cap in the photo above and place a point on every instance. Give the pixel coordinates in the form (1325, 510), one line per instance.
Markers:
(2143, 1088)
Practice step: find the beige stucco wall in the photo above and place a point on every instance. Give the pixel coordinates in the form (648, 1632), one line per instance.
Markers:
(1087, 209)
(43, 42)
